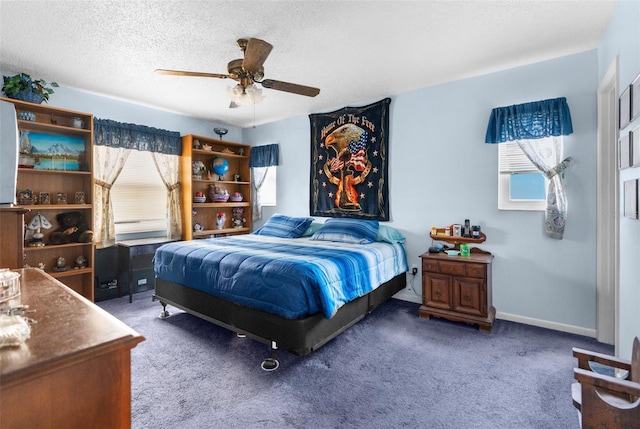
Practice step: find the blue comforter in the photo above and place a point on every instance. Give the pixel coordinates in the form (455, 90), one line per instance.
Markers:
(288, 277)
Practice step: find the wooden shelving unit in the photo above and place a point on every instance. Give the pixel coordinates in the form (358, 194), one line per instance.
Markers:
(237, 155)
(77, 178)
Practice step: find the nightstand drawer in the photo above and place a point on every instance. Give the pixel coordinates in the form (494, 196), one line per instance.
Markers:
(476, 270)
(429, 266)
(455, 268)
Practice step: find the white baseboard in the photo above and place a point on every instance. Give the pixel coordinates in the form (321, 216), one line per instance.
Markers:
(407, 295)
(547, 324)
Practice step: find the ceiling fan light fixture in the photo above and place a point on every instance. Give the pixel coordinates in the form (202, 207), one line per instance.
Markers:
(245, 96)
(248, 71)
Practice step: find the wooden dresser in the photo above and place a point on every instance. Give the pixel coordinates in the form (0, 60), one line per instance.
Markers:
(74, 371)
(458, 288)
(12, 237)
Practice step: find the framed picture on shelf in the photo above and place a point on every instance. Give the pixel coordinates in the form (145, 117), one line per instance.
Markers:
(57, 151)
(61, 198)
(631, 199)
(635, 98)
(45, 198)
(625, 107)
(624, 151)
(635, 147)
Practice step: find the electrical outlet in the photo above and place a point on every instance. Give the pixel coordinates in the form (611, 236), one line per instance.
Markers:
(414, 270)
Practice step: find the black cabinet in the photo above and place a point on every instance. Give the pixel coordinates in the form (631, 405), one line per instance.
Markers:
(135, 264)
(106, 274)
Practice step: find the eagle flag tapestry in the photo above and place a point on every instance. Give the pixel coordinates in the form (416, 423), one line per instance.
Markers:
(349, 162)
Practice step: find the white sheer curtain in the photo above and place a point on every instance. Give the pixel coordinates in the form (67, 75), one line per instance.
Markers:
(169, 168)
(546, 155)
(259, 174)
(108, 162)
(262, 158)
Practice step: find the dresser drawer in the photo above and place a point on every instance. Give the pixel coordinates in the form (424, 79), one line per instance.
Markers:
(455, 268)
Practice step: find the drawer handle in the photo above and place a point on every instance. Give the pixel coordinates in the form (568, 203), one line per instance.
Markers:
(438, 292)
(467, 298)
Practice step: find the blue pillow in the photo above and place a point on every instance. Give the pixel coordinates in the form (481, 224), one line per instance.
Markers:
(389, 234)
(312, 229)
(347, 230)
(283, 226)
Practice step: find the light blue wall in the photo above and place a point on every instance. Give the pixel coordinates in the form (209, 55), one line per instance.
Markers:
(622, 39)
(441, 172)
(123, 111)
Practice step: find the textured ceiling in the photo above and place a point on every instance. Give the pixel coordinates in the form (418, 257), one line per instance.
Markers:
(354, 51)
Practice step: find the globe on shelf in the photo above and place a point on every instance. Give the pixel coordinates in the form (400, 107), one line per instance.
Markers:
(220, 166)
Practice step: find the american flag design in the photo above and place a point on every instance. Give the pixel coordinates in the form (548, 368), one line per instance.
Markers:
(358, 155)
(336, 164)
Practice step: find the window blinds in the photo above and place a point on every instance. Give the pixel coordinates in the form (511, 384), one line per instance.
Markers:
(139, 196)
(511, 159)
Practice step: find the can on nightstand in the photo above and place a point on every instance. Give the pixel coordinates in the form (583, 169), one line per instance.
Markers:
(464, 250)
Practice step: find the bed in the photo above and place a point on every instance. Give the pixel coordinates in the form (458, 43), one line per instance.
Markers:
(291, 290)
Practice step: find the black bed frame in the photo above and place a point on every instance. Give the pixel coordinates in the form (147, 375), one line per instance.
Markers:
(298, 336)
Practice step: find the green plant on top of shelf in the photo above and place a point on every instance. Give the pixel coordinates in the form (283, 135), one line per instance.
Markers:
(23, 87)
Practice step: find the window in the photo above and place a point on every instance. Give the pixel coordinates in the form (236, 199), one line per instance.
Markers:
(139, 199)
(521, 186)
(268, 188)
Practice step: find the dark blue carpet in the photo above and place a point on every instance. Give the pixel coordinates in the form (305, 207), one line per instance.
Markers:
(391, 370)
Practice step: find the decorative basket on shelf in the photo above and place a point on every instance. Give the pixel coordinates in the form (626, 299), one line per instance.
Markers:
(31, 97)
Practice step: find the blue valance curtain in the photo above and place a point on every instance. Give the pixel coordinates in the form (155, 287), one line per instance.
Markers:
(537, 127)
(264, 156)
(113, 141)
(535, 120)
(138, 137)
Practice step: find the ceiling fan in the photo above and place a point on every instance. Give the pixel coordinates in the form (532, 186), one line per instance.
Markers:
(248, 71)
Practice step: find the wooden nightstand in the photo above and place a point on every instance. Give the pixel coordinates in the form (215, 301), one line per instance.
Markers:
(458, 288)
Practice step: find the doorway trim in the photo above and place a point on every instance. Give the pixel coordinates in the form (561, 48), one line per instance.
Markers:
(607, 235)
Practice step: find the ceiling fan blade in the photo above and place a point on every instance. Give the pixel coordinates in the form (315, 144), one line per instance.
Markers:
(255, 54)
(190, 73)
(290, 87)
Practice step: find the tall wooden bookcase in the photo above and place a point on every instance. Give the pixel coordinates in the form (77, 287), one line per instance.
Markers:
(60, 181)
(237, 179)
